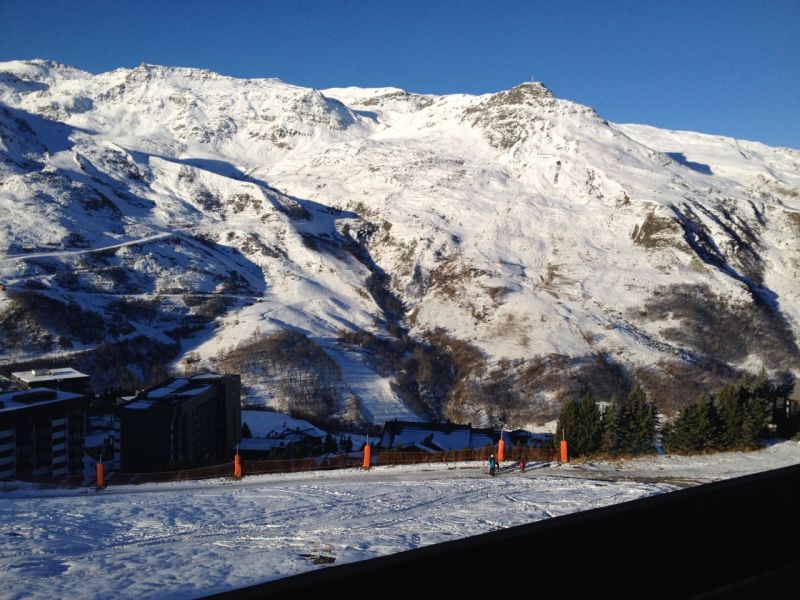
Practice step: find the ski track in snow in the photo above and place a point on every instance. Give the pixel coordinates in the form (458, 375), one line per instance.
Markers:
(189, 539)
(214, 536)
(377, 400)
(145, 240)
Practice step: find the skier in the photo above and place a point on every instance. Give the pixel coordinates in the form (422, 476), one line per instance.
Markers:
(492, 465)
(521, 465)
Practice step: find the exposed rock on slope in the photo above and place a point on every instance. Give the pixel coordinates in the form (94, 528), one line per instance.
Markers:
(477, 258)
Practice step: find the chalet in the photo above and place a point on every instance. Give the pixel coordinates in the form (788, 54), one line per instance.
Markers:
(183, 423)
(42, 434)
(288, 443)
(529, 439)
(414, 436)
(410, 436)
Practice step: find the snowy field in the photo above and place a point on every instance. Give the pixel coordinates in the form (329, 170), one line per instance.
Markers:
(191, 539)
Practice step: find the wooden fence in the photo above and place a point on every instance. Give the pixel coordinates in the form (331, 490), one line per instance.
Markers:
(397, 457)
(341, 461)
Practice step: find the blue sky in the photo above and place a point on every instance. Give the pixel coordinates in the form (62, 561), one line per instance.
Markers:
(727, 67)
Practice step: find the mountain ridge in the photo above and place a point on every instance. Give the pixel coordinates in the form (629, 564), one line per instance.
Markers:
(516, 244)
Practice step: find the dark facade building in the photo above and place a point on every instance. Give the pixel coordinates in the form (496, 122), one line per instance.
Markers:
(42, 434)
(183, 423)
(63, 379)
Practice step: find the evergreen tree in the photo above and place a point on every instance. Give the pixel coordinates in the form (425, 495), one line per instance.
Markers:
(246, 433)
(675, 436)
(588, 428)
(567, 420)
(712, 426)
(643, 423)
(581, 424)
(695, 429)
(669, 440)
(611, 426)
(764, 400)
(732, 402)
(631, 425)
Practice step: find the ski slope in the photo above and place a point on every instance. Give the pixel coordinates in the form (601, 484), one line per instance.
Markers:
(191, 539)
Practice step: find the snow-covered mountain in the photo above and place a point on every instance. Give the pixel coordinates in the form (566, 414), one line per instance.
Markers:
(471, 257)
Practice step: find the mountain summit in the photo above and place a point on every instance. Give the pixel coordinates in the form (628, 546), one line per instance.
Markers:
(366, 254)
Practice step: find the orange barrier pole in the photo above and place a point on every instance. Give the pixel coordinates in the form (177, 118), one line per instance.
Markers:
(367, 452)
(564, 454)
(237, 467)
(501, 448)
(100, 480)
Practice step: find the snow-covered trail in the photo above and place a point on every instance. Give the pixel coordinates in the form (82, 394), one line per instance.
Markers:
(185, 540)
(377, 400)
(136, 242)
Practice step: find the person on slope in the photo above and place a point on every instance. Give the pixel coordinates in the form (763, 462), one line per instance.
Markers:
(521, 465)
(492, 465)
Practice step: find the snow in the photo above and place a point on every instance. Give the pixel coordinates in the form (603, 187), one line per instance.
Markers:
(140, 404)
(188, 539)
(549, 215)
(21, 399)
(263, 422)
(36, 376)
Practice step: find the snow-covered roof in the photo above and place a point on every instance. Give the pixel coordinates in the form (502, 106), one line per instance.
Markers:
(298, 434)
(263, 422)
(434, 436)
(194, 391)
(201, 376)
(38, 375)
(178, 389)
(168, 388)
(33, 397)
(140, 404)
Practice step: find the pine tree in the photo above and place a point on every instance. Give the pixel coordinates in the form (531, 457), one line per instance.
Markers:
(709, 435)
(588, 428)
(631, 425)
(764, 399)
(246, 433)
(676, 436)
(567, 420)
(731, 402)
(643, 422)
(612, 418)
(695, 429)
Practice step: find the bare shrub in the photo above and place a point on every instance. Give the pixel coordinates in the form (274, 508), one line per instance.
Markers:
(720, 331)
(304, 374)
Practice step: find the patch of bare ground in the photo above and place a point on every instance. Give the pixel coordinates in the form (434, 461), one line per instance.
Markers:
(712, 327)
(450, 277)
(658, 232)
